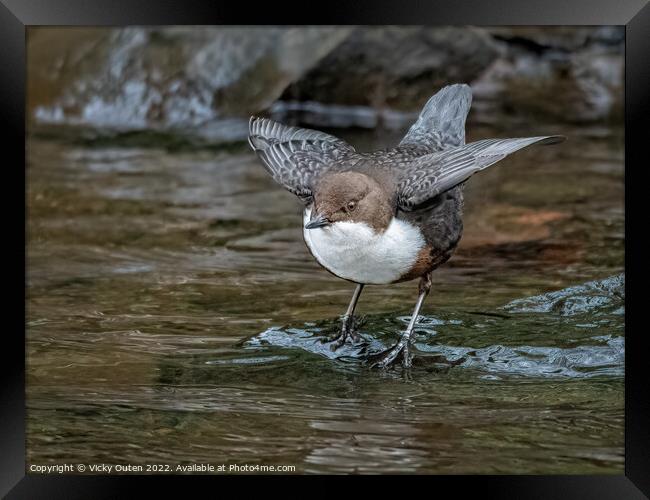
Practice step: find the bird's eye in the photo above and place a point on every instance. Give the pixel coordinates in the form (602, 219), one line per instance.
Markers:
(351, 206)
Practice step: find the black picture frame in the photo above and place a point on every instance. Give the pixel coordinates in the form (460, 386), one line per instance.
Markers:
(17, 15)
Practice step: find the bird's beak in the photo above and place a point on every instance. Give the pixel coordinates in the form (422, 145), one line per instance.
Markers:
(317, 221)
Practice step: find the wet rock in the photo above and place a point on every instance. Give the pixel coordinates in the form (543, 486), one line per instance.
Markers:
(540, 38)
(563, 74)
(604, 295)
(167, 77)
(395, 67)
(565, 38)
(566, 74)
(192, 79)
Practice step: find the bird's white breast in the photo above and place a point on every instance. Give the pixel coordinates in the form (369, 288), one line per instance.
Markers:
(354, 251)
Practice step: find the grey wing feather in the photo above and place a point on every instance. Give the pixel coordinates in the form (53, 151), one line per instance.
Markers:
(271, 132)
(432, 174)
(441, 123)
(295, 157)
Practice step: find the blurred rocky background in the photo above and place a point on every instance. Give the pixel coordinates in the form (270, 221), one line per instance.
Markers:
(207, 80)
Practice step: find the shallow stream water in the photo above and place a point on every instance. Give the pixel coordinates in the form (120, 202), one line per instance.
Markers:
(176, 317)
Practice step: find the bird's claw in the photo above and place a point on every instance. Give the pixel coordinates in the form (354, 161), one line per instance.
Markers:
(386, 358)
(348, 331)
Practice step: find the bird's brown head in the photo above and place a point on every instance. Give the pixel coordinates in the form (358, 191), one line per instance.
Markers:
(350, 197)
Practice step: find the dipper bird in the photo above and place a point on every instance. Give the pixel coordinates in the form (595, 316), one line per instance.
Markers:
(386, 216)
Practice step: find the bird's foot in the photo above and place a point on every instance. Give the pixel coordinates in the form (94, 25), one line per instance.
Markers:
(342, 338)
(348, 331)
(400, 351)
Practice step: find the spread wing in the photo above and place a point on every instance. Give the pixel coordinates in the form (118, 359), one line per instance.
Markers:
(432, 174)
(441, 123)
(296, 157)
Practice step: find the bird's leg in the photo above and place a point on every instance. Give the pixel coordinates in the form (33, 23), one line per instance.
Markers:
(403, 347)
(347, 322)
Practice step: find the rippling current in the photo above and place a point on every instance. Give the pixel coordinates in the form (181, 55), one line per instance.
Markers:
(175, 316)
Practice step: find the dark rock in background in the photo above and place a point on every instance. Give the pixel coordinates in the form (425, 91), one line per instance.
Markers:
(395, 67)
(560, 74)
(565, 74)
(207, 80)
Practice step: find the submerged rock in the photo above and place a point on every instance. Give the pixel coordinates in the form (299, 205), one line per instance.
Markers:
(608, 294)
(599, 355)
(587, 341)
